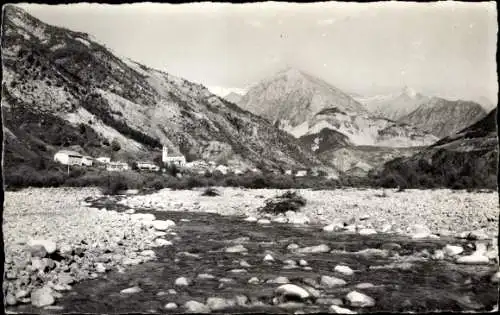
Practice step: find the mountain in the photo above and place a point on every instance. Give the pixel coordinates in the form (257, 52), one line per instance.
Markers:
(233, 97)
(443, 117)
(293, 96)
(469, 158)
(394, 105)
(62, 89)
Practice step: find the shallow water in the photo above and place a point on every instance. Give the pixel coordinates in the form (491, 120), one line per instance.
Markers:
(426, 286)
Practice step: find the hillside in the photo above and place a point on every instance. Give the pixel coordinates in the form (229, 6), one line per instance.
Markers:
(444, 117)
(233, 97)
(469, 158)
(63, 89)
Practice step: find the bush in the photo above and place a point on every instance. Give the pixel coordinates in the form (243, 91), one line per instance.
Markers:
(211, 192)
(289, 201)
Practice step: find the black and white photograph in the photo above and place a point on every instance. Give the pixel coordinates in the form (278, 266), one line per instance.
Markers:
(260, 157)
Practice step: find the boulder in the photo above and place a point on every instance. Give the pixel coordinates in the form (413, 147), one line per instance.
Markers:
(364, 285)
(162, 242)
(42, 297)
(218, 304)
(303, 262)
(143, 217)
(334, 227)
(419, 231)
(236, 249)
(268, 257)
(340, 310)
(205, 276)
(251, 219)
(331, 282)
(10, 299)
(131, 290)
(162, 225)
(37, 251)
(297, 218)
(452, 250)
(196, 307)
(474, 259)
(263, 221)
(367, 231)
(50, 246)
(181, 282)
(345, 270)
(323, 248)
(170, 306)
(292, 246)
(496, 277)
(292, 290)
(357, 299)
(279, 280)
(280, 220)
(253, 280)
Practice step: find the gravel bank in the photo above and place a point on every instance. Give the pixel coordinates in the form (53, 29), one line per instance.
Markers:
(86, 241)
(440, 210)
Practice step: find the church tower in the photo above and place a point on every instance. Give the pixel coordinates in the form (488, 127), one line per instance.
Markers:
(164, 155)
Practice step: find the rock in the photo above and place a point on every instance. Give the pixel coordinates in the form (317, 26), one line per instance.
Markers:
(268, 257)
(181, 282)
(419, 229)
(10, 299)
(280, 220)
(172, 291)
(331, 282)
(263, 221)
(42, 297)
(100, 268)
(496, 277)
(481, 248)
(452, 250)
(162, 242)
(196, 307)
(302, 262)
(65, 278)
(218, 304)
(241, 300)
(236, 249)
(289, 305)
(279, 280)
(162, 225)
(170, 306)
(245, 264)
(226, 280)
(292, 246)
(391, 246)
(50, 246)
(253, 280)
(364, 285)
(350, 228)
(292, 290)
(143, 217)
(373, 252)
(205, 276)
(314, 249)
(357, 299)
(131, 290)
(345, 270)
(334, 227)
(297, 218)
(251, 219)
(438, 254)
(37, 251)
(367, 232)
(130, 211)
(148, 253)
(474, 235)
(474, 259)
(21, 294)
(340, 310)
(237, 271)
(307, 268)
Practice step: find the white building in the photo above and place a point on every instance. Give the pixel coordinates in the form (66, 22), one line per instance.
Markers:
(87, 160)
(104, 159)
(178, 160)
(301, 173)
(117, 166)
(288, 172)
(67, 157)
(150, 166)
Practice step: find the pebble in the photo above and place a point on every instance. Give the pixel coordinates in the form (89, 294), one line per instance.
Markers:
(253, 280)
(268, 257)
(303, 262)
(292, 290)
(323, 248)
(162, 242)
(170, 306)
(345, 270)
(181, 282)
(218, 304)
(236, 249)
(131, 290)
(357, 299)
(452, 250)
(196, 307)
(367, 232)
(42, 297)
(331, 282)
(162, 225)
(474, 259)
(340, 310)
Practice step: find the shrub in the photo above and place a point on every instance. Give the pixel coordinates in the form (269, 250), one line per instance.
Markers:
(289, 201)
(211, 192)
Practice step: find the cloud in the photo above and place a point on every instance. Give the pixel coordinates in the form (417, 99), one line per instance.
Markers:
(326, 22)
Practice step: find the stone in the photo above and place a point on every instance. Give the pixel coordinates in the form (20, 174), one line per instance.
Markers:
(452, 250)
(170, 306)
(162, 242)
(65, 278)
(245, 264)
(37, 251)
(241, 300)
(303, 262)
(340, 310)
(100, 268)
(236, 249)
(162, 225)
(50, 246)
(196, 307)
(205, 276)
(237, 271)
(280, 220)
(357, 299)
(419, 229)
(253, 280)
(10, 299)
(481, 248)
(279, 280)
(391, 246)
(148, 253)
(345, 270)
(323, 248)
(438, 254)
(331, 282)
(334, 227)
(474, 259)
(292, 246)
(268, 257)
(226, 280)
(292, 290)
(218, 304)
(297, 218)
(364, 285)
(367, 232)
(181, 282)
(130, 211)
(331, 301)
(350, 228)
(172, 291)
(131, 290)
(251, 219)
(21, 294)
(263, 221)
(42, 297)
(496, 277)
(143, 217)
(373, 252)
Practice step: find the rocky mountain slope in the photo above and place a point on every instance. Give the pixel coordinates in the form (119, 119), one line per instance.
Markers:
(393, 105)
(62, 89)
(233, 97)
(469, 158)
(443, 117)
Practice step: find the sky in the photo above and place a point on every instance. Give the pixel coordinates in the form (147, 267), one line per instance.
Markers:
(444, 48)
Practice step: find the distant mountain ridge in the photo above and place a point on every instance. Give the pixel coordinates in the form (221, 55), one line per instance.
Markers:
(233, 97)
(62, 89)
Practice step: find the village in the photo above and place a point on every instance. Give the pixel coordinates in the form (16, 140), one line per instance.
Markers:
(73, 158)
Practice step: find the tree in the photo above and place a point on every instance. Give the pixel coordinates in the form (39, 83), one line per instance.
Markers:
(115, 145)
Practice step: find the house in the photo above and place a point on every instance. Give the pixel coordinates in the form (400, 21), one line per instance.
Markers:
(178, 160)
(288, 172)
(104, 159)
(117, 166)
(238, 172)
(301, 173)
(87, 160)
(67, 157)
(150, 166)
